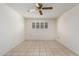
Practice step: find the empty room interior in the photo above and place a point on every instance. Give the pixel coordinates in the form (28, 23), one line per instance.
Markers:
(39, 29)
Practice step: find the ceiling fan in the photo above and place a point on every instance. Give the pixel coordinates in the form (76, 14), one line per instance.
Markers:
(39, 7)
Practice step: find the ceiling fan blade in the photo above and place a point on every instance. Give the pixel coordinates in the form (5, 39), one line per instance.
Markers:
(39, 5)
(47, 8)
(40, 12)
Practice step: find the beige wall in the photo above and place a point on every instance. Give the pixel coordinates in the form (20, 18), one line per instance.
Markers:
(11, 29)
(68, 29)
(40, 34)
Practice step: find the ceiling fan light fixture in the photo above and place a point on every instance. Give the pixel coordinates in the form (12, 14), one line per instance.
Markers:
(40, 8)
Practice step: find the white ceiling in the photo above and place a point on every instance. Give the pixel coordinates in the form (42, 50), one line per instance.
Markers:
(58, 9)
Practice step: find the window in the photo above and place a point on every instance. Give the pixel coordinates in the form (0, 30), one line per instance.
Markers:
(40, 25)
(46, 25)
(33, 25)
(37, 25)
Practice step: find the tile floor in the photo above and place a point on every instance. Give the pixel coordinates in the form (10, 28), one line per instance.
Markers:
(40, 48)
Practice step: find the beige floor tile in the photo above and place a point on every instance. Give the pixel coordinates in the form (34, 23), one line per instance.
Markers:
(40, 48)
